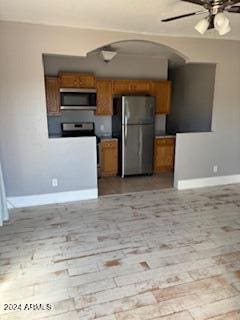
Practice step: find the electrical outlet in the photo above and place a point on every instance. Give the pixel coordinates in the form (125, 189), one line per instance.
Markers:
(54, 182)
(102, 127)
(215, 168)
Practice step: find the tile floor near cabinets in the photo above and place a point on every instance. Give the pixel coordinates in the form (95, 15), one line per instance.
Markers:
(117, 185)
(162, 255)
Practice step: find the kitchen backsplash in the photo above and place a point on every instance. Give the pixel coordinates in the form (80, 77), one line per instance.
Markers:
(103, 124)
(160, 124)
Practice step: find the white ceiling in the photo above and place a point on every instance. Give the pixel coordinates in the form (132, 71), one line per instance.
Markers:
(141, 16)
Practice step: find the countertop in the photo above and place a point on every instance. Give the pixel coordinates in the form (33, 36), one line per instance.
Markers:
(166, 136)
(105, 137)
(60, 137)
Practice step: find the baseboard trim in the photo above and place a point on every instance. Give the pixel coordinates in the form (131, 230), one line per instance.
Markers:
(51, 198)
(207, 182)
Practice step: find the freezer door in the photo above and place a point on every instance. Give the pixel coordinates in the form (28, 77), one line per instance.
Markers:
(138, 109)
(137, 149)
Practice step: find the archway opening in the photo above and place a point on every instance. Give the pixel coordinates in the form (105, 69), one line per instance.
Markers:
(138, 68)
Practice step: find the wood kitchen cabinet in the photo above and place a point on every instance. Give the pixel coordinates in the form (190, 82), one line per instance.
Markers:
(140, 86)
(52, 95)
(164, 151)
(104, 97)
(77, 80)
(121, 86)
(162, 90)
(131, 86)
(109, 157)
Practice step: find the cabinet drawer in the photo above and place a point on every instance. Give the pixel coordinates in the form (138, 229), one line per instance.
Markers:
(165, 141)
(109, 143)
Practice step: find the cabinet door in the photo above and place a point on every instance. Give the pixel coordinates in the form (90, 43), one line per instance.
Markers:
(140, 86)
(77, 80)
(162, 91)
(164, 151)
(109, 158)
(87, 81)
(121, 86)
(69, 80)
(104, 97)
(52, 95)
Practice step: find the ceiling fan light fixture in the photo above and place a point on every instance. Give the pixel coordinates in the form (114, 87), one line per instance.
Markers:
(221, 24)
(202, 26)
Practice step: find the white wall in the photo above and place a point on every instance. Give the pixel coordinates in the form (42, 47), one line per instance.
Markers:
(29, 159)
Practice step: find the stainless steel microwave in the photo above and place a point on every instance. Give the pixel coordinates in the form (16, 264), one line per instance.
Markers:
(78, 99)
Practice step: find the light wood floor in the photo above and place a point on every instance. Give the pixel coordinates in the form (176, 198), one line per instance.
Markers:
(162, 255)
(117, 185)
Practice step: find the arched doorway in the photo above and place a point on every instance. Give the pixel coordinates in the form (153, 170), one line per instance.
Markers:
(138, 62)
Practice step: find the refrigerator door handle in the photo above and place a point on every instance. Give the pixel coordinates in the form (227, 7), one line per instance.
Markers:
(125, 129)
(124, 139)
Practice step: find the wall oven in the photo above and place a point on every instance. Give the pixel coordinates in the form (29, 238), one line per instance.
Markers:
(78, 99)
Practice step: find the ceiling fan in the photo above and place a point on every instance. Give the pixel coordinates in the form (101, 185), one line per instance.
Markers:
(215, 18)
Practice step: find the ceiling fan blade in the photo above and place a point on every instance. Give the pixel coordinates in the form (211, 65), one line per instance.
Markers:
(234, 9)
(182, 16)
(199, 2)
(231, 2)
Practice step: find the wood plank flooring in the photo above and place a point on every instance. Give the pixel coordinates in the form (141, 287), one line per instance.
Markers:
(162, 255)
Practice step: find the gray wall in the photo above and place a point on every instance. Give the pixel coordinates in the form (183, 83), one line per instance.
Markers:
(192, 98)
(141, 67)
(103, 124)
(121, 67)
(30, 159)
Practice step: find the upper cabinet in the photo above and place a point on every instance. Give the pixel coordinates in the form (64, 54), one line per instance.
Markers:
(131, 86)
(104, 97)
(52, 95)
(77, 80)
(121, 86)
(162, 90)
(140, 86)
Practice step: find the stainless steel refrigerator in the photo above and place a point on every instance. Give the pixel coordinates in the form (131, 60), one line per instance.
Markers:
(133, 125)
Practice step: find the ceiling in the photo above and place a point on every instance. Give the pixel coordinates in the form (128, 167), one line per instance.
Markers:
(139, 16)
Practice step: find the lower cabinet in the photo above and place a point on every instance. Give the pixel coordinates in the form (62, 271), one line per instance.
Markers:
(164, 151)
(109, 157)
